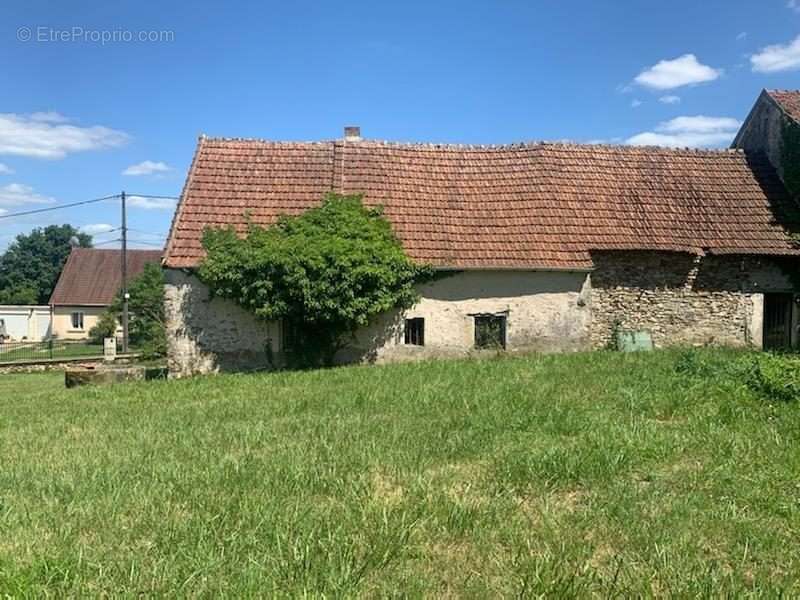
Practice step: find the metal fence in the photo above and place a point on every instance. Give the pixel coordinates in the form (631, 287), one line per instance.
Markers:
(11, 352)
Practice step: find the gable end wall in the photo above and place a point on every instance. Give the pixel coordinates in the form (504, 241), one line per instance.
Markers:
(763, 132)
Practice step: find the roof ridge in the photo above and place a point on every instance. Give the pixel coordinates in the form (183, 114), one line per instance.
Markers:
(93, 249)
(213, 139)
(530, 144)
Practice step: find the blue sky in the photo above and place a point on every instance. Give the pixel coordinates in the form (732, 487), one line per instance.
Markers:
(79, 112)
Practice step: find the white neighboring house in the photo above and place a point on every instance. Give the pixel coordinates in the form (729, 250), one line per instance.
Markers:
(25, 322)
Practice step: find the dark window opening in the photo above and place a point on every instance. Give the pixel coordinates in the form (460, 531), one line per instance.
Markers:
(415, 332)
(290, 336)
(778, 321)
(490, 331)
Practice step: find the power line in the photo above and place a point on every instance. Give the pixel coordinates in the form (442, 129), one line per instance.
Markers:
(157, 245)
(71, 204)
(59, 207)
(158, 235)
(104, 232)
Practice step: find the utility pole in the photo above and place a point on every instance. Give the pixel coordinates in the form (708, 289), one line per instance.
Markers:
(124, 276)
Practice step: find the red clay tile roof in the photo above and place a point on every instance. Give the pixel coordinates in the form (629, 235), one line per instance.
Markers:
(92, 277)
(524, 206)
(788, 100)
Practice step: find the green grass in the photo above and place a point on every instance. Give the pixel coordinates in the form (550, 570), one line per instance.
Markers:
(579, 475)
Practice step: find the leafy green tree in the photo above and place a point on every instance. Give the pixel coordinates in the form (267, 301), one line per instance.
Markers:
(105, 327)
(145, 310)
(324, 273)
(29, 269)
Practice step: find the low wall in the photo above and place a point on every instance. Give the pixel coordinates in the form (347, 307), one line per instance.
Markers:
(58, 364)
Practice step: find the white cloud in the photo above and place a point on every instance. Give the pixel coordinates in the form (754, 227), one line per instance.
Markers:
(689, 132)
(95, 228)
(16, 194)
(670, 99)
(5, 169)
(741, 36)
(45, 135)
(794, 5)
(699, 124)
(669, 74)
(147, 167)
(150, 203)
(636, 103)
(49, 116)
(773, 59)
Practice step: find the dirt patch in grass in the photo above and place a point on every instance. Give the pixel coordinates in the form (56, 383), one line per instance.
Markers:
(385, 488)
(552, 505)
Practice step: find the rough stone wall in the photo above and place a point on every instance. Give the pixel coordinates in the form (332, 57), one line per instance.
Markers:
(207, 335)
(545, 311)
(763, 132)
(682, 299)
(41, 367)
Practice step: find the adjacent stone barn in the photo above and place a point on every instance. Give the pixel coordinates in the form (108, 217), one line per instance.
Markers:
(545, 246)
(766, 127)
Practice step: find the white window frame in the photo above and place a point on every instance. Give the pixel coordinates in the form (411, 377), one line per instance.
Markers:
(81, 316)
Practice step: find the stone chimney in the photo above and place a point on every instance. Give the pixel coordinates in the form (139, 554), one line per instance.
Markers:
(352, 134)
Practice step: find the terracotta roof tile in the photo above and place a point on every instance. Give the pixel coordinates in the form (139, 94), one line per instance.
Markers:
(536, 205)
(92, 277)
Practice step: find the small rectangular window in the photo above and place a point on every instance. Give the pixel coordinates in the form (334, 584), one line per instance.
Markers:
(77, 320)
(490, 331)
(289, 335)
(415, 332)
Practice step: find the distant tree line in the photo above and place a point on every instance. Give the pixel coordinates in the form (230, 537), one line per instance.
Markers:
(30, 267)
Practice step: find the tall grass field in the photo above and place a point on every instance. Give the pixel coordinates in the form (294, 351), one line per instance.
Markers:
(583, 475)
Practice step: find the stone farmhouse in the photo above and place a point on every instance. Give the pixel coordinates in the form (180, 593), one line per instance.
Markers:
(548, 246)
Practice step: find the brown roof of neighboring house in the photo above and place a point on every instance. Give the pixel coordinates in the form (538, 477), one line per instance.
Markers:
(92, 277)
(788, 100)
(539, 205)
